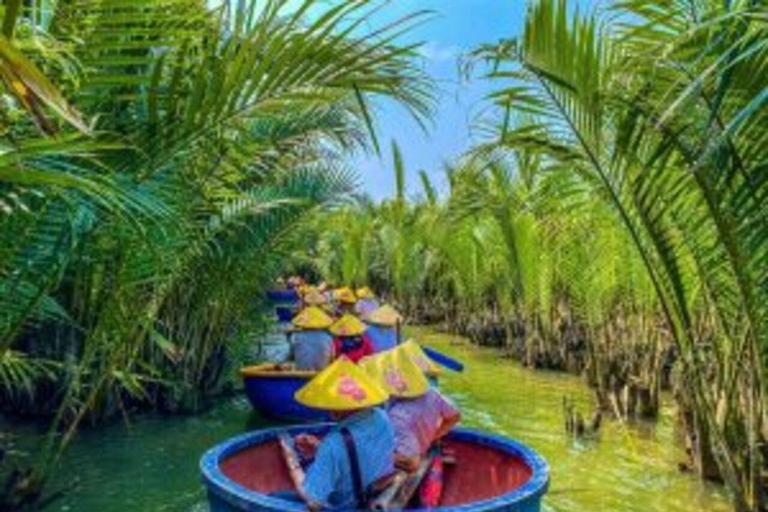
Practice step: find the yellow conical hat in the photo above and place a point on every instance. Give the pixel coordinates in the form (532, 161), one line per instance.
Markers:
(346, 295)
(312, 318)
(420, 358)
(348, 325)
(396, 372)
(343, 386)
(385, 315)
(364, 293)
(314, 298)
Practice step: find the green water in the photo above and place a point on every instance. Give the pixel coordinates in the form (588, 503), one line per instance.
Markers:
(150, 465)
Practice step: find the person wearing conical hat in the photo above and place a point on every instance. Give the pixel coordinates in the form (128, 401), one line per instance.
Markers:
(366, 301)
(363, 434)
(312, 344)
(419, 413)
(345, 300)
(420, 358)
(294, 282)
(350, 339)
(383, 328)
(313, 297)
(396, 373)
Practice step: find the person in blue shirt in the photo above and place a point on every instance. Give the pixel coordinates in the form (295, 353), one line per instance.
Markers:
(357, 453)
(383, 328)
(366, 302)
(312, 344)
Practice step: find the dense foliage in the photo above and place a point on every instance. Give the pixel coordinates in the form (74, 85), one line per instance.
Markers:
(612, 220)
(154, 156)
(157, 156)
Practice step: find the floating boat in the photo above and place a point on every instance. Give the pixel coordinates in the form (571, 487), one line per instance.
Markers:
(285, 302)
(284, 314)
(288, 296)
(271, 387)
(491, 474)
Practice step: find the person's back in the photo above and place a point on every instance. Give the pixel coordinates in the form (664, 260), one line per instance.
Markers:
(312, 349)
(382, 337)
(418, 422)
(329, 480)
(366, 306)
(383, 326)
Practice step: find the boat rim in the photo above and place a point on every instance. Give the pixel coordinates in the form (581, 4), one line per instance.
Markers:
(273, 371)
(247, 500)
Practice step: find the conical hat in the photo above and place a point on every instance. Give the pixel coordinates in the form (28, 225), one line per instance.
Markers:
(343, 386)
(420, 358)
(348, 325)
(365, 293)
(314, 298)
(385, 315)
(396, 372)
(346, 295)
(312, 318)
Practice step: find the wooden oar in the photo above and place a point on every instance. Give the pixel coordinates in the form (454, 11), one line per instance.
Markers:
(399, 494)
(381, 502)
(443, 360)
(291, 460)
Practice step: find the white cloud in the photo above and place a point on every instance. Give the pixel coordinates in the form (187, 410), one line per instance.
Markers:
(435, 52)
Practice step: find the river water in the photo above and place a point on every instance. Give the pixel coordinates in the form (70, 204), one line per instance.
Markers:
(150, 464)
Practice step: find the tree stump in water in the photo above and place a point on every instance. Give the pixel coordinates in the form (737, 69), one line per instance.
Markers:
(575, 424)
(701, 458)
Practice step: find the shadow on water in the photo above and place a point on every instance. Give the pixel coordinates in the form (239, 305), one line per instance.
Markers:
(151, 465)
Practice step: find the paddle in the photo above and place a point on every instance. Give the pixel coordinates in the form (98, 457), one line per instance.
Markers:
(402, 489)
(291, 459)
(443, 360)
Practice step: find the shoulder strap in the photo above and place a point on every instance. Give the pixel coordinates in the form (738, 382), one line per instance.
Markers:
(354, 462)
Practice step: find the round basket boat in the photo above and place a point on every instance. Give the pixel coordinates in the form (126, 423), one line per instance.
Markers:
(492, 473)
(284, 314)
(271, 388)
(283, 296)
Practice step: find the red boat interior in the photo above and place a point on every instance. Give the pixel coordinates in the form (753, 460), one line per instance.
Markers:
(480, 473)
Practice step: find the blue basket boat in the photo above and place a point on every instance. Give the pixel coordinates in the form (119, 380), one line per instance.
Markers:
(270, 389)
(289, 296)
(492, 474)
(284, 314)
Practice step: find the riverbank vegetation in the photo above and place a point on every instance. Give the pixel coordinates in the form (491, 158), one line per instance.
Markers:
(155, 155)
(162, 161)
(611, 220)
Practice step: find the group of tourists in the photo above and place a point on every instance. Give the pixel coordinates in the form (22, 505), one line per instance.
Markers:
(339, 322)
(389, 418)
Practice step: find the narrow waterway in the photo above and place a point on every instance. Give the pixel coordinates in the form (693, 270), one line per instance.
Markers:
(150, 465)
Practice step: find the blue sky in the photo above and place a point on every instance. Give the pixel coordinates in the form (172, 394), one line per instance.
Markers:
(459, 26)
